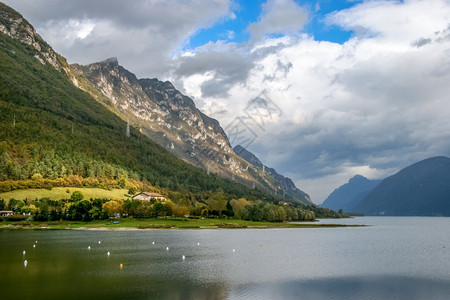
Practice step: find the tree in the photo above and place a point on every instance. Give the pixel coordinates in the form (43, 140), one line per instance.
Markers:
(113, 207)
(130, 207)
(229, 210)
(12, 204)
(131, 191)
(238, 206)
(76, 196)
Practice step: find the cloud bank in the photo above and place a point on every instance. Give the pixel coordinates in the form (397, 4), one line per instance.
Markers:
(369, 106)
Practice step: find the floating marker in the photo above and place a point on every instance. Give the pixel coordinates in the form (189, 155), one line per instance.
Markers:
(25, 263)
(153, 243)
(198, 244)
(34, 246)
(167, 248)
(24, 252)
(108, 253)
(121, 266)
(99, 242)
(35, 242)
(260, 245)
(234, 250)
(183, 257)
(89, 247)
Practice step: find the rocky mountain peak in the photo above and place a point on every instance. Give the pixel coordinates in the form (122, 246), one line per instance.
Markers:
(358, 179)
(112, 60)
(14, 25)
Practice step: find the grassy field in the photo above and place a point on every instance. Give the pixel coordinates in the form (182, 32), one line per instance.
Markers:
(160, 223)
(58, 193)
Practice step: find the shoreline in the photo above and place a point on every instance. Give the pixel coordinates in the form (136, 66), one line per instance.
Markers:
(148, 227)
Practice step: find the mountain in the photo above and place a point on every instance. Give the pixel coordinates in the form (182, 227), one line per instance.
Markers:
(52, 132)
(283, 184)
(15, 26)
(169, 118)
(422, 189)
(349, 195)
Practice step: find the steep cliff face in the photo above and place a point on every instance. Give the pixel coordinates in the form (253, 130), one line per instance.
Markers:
(284, 185)
(170, 118)
(15, 26)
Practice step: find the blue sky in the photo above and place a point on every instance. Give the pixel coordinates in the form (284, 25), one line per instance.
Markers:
(247, 12)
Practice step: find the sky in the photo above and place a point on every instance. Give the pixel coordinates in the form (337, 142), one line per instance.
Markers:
(320, 90)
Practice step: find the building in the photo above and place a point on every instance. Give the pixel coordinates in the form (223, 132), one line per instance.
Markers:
(6, 213)
(145, 196)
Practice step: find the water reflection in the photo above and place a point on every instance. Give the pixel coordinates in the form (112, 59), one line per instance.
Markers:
(357, 288)
(397, 258)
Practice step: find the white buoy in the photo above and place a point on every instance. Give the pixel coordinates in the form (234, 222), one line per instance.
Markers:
(183, 257)
(25, 263)
(108, 253)
(24, 252)
(153, 243)
(99, 242)
(89, 247)
(234, 250)
(34, 246)
(167, 248)
(198, 244)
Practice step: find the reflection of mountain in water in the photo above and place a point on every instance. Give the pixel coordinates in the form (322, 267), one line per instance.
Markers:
(348, 288)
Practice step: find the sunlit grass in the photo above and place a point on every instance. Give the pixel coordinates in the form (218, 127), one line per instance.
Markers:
(58, 193)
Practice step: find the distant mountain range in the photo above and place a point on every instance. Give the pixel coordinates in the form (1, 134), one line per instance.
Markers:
(422, 189)
(349, 195)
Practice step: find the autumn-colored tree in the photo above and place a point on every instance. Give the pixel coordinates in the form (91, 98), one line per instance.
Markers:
(113, 207)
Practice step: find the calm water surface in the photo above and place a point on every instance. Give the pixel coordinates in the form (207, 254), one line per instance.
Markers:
(395, 258)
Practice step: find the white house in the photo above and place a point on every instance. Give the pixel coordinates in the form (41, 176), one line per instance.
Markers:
(6, 213)
(145, 196)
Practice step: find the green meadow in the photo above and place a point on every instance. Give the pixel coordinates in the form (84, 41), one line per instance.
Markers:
(58, 193)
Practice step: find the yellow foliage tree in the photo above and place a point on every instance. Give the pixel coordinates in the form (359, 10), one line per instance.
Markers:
(113, 207)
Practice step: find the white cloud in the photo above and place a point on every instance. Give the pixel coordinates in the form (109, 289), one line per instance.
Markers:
(69, 31)
(279, 16)
(230, 34)
(373, 105)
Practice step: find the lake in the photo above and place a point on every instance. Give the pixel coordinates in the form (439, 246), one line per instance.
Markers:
(395, 258)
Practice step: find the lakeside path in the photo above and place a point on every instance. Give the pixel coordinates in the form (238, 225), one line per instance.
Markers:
(162, 223)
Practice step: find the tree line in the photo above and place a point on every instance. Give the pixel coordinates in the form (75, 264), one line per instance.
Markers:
(77, 208)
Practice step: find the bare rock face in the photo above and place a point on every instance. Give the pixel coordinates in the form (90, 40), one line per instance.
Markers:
(15, 26)
(171, 119)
